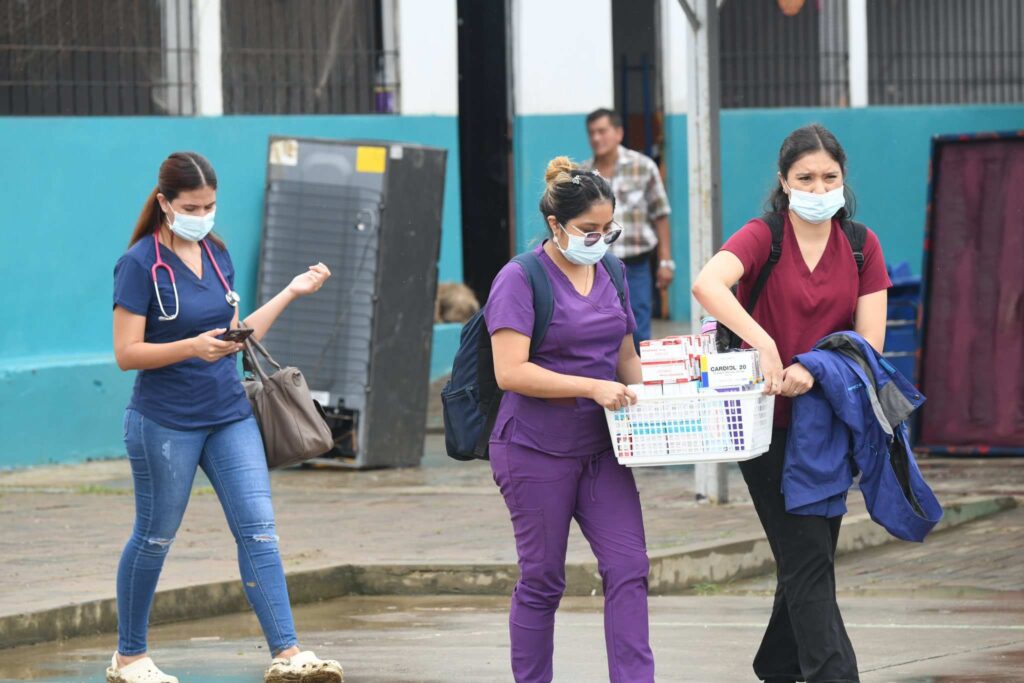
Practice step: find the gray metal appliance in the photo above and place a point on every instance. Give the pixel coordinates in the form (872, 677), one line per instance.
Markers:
(371, 211)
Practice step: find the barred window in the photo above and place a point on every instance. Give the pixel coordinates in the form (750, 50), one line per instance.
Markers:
(768, 59)
(96, 57)
(307, 57)
(919, 52)
(945, 51)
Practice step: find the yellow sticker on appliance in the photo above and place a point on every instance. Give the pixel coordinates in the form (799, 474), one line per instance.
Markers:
(371, 159)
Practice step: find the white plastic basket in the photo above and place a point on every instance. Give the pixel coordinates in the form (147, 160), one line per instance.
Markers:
(705, 427)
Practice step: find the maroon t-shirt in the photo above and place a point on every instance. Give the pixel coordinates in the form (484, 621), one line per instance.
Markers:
(798, 307)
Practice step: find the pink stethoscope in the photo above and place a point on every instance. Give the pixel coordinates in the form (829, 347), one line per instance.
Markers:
(231, 295)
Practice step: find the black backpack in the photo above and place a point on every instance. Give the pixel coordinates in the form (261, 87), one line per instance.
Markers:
(856, 234)
(471, 397)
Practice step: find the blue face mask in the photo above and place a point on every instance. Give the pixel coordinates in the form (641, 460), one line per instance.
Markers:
(578, 252)
(191, 228)
(816, 208)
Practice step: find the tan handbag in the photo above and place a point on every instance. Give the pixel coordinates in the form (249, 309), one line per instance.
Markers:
(293, 425)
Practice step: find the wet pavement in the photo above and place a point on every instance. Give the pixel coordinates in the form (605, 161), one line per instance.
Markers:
(950, 610)
(440, 640)
(65, 526)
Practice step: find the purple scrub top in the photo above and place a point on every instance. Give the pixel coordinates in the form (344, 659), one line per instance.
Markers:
(584, 339)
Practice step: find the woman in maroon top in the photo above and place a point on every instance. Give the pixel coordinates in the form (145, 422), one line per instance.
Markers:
(813, 291)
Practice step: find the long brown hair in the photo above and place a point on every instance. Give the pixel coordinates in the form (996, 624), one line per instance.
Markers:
(180, 172)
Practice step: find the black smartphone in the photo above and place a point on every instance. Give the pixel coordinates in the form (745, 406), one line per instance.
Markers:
(237, 335)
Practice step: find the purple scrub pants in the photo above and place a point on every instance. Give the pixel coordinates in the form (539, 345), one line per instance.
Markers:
(544, 493)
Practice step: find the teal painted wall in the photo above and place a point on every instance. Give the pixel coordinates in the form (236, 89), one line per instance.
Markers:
(888, 150)
(71, 189)
(537, 140)
(446, 342)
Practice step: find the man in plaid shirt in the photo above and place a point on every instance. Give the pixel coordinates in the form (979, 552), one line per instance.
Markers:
(641, 208)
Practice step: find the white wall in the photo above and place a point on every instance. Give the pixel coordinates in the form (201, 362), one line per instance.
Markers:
(428, 54)
(676, 36)
(562, 56)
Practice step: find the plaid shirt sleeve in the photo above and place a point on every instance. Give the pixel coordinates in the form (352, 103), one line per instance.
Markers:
(657, 199)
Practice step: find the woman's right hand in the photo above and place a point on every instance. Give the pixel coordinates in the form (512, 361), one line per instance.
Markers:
(612, 395)
(771, 368)
(210, 349)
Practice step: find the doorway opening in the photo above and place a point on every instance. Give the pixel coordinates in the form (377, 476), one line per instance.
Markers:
(485, 141)
(636, 43)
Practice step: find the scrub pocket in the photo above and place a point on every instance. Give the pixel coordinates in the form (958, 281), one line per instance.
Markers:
(529, 481)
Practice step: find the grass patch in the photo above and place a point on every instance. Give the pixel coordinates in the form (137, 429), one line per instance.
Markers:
(101, 490)
(707, 589)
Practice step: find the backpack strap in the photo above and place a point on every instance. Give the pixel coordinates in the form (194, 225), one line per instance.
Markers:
(613, 265)
(776, 222)
(857, 234)
(726, 339)
(543, 309)
(543, 296)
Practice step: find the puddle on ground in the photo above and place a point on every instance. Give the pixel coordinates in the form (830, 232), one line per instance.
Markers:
(322, 625)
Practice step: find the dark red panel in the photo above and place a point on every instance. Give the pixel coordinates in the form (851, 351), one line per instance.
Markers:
(973, 365)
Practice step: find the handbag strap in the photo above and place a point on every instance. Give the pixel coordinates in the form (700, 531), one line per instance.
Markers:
(263, 351)
(252, 345)
(252, 363)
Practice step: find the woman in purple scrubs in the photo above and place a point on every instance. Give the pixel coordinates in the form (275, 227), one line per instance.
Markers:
(550, 451)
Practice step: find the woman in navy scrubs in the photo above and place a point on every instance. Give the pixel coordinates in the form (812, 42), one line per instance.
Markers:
(173, 299)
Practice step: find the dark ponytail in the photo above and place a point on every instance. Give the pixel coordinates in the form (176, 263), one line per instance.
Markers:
(180, 172)
(801, 141)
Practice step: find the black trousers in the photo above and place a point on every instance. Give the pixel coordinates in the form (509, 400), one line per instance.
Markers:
(806, 639)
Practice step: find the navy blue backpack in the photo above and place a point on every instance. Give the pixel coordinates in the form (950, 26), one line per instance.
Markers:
(471, 397)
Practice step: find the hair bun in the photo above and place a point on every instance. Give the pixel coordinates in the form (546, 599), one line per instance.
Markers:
(558, 171)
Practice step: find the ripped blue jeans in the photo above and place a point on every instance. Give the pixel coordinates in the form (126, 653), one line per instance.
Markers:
(164, 463)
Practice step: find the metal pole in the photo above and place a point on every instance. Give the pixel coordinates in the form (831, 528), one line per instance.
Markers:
(624, 107)
(645, 70)
(702, 135)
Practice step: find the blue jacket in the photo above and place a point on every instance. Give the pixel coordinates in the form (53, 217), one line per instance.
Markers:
(853, 419)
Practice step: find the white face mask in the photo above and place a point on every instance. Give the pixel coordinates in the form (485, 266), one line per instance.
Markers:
(816, 208)
(578, 252)
(191, 228)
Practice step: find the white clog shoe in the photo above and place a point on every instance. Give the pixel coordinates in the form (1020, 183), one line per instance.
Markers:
(304, 667)
(139, 671)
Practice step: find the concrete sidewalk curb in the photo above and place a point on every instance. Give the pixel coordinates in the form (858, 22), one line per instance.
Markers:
(672, 571)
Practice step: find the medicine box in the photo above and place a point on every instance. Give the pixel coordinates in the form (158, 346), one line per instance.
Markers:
(730, 370)
(665, 360)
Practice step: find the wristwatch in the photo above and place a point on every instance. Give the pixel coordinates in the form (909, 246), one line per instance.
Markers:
(667, 263)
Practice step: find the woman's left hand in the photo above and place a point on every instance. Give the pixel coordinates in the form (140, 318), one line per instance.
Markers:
(310, 281)
(796, 380)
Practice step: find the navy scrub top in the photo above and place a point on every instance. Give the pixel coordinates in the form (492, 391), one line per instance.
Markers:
(191, 394)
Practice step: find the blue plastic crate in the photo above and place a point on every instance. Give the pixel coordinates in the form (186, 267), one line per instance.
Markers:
(902, 309)
(901, 337)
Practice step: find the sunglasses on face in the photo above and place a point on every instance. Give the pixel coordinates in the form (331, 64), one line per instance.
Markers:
(592, 238)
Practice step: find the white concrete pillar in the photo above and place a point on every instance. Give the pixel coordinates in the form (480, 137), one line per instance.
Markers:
(562, 56)
(711, 480)
(428, 57)
(206, 37)
(857, 40)
(676, 36)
